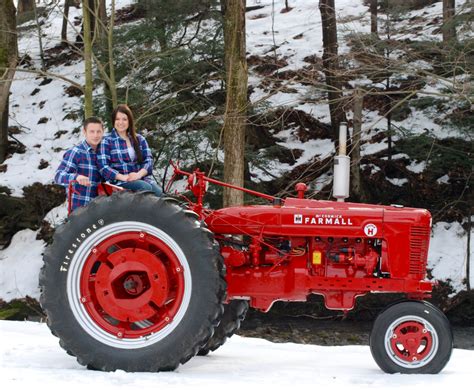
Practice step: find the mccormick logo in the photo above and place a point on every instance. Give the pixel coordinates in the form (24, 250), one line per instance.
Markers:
(323, 219)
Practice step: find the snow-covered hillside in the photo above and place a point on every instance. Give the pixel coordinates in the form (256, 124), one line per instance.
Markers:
(40, 111)
(30, 357)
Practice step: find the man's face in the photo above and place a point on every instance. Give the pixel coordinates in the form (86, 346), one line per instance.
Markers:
(93, 133)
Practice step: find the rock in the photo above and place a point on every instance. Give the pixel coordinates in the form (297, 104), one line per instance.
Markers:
(72, 91)
(46, 81)
(43, 164)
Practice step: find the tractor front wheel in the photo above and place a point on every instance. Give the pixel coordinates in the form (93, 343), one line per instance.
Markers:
(412, 337)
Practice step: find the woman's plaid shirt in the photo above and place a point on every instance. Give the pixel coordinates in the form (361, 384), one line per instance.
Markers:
(113, 158)
(80, 160)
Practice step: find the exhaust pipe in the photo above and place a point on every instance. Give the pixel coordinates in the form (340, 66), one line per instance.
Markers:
(342, 164)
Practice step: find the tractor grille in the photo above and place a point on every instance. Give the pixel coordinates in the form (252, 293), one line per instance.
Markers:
(419, 240)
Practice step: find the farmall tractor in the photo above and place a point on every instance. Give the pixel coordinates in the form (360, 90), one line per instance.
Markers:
(141, 283)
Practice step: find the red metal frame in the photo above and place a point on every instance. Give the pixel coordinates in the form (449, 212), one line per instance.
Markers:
(103, 189)
(70, 191)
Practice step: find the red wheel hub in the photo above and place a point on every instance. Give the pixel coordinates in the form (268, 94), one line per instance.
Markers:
(411, 341)
(132, 284)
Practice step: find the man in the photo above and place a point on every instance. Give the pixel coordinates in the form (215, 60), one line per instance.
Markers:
(80, 164)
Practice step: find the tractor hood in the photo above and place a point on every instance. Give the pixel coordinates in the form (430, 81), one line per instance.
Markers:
(303, 217)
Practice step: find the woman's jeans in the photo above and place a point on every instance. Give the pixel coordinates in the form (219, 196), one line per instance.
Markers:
(142, 185)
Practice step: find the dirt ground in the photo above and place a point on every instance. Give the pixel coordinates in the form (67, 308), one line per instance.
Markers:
(307, 330)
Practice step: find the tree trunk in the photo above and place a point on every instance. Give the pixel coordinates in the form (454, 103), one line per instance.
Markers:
(101, 17)
(88, 107)
(110, 47)
(108, 74)
(356, 181)
(373, 17)
(331, 65)
(25, 6)
(8, 62)
(67, 4)
(4, 130)
(236, 99)
(468, 252)
(40, 38)
(449, 27)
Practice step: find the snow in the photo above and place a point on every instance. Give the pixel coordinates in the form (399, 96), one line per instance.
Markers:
(20, 264)
(416, 167)
(443, 179)
(31, 357)
(368, 148)
(447, 257)
(397, 182)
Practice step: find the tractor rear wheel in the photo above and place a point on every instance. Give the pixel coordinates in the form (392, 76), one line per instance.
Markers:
(234, 314)
(412, 337)
(132, 283)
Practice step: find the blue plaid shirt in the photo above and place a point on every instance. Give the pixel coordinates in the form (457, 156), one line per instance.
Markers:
(80, 160)
(114, 158)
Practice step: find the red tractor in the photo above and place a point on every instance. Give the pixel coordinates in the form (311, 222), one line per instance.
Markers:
(141, 283)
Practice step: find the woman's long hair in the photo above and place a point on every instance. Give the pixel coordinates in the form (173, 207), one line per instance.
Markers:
(124, 109)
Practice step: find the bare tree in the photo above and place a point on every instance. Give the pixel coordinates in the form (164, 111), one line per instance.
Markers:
(40, 37)
(449, 27)
(111, 85)
(236, 98)
(356, 181)
(373, 17)
(25, 6)
(8, 62)
(86, 22)
(104, 46)
(67, 4)
(331, 64)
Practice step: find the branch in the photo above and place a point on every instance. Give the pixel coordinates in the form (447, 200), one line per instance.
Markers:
(47, 74)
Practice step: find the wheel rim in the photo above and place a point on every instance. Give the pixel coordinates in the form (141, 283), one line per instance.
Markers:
(129, 285)
(411, 342)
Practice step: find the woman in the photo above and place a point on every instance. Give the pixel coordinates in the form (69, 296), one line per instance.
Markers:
(124, 156)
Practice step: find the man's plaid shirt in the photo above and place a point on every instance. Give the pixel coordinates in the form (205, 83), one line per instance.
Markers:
(79, 160)
(113, 158)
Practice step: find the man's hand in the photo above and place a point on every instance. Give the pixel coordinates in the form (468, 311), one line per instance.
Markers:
(83, 180)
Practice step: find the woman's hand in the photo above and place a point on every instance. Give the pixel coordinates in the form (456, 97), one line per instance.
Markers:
(122, 177)
(137, 175)
(132, 176)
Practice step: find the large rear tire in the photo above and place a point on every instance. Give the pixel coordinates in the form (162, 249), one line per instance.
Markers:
(412, 337)
(132, 283)
(234, 314)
